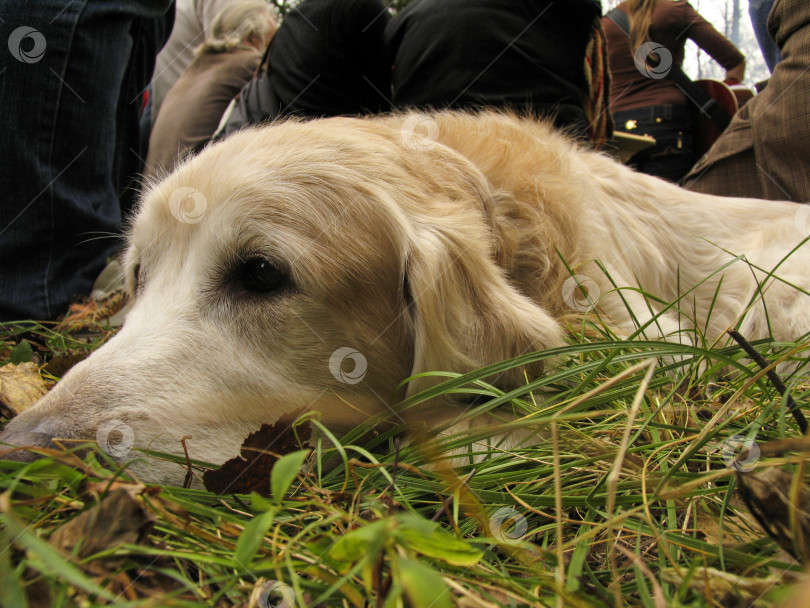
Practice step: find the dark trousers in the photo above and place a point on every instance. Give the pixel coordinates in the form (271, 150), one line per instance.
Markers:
(67, 120)
(672, 155)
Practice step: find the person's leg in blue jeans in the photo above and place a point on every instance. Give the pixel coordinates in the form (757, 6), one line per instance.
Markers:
(759, 10)
(62, 66)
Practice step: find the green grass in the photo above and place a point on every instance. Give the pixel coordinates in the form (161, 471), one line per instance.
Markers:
(624, 497)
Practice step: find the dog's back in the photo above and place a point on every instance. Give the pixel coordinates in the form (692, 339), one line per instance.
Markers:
(559, 204)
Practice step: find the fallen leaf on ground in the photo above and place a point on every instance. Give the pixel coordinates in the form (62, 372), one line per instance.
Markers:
(21, 353)
(59, 365)
(728, 589)
(737, 527)
(21, 386)
(132, 488)
(93, 311)
(118, 518)
(768, 496)
(250, 472)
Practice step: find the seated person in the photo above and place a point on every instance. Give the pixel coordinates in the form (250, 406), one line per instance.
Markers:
(649, 103)
(327, 59)
(191, 110)
(192, 25)
(520, 54)
(765, 151)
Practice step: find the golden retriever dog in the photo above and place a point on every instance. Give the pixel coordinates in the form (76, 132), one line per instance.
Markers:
(319, 264)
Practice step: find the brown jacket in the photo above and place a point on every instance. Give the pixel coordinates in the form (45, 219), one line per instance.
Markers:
(673, 22)
(194, 106)
(765, 152)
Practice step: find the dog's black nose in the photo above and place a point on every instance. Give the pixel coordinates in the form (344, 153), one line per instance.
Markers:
(19, 432)
(18, 454)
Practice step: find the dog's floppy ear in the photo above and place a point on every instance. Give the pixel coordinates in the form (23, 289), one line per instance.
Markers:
(465, 312)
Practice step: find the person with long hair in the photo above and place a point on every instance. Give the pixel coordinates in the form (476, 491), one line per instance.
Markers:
(647, 102)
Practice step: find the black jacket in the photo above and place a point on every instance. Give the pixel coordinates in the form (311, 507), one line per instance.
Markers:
(525, 54)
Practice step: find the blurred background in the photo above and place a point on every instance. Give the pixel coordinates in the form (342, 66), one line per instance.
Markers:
(730, 17)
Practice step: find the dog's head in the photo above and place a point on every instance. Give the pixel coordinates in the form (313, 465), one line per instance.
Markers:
(303, 265)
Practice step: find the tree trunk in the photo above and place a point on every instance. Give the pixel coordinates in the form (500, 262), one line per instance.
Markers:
(736, 16)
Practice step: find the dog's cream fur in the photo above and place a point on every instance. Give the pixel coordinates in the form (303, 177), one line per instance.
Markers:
(419, 254)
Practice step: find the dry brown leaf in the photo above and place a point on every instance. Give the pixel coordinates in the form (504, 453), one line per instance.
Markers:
(726, 587)
(738, 526)
(21, 386)
(768, 496)
(90, 311)
(59, 365)
(132, 488)
(250, 472)
(118, 518)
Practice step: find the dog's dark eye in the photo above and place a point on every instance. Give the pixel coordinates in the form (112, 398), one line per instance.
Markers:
(260, 276)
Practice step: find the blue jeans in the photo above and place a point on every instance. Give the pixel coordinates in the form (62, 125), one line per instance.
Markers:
(759, 10)
(62, 85)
